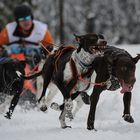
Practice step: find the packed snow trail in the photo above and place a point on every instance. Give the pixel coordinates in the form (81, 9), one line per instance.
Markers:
(35, 125)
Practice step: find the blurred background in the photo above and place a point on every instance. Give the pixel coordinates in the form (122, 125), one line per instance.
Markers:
(118, 20)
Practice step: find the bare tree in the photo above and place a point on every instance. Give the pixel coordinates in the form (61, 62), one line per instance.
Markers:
(61, 17)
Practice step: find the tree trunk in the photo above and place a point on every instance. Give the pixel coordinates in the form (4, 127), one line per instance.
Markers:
(61, 16)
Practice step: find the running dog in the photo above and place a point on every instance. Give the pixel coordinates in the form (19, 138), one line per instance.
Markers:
(67, 66)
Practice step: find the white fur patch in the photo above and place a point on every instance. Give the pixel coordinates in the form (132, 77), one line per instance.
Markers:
(87, 59)
(67, 72)
(18, 73)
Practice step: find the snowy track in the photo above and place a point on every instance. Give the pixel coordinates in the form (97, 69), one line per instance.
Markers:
(36, 125)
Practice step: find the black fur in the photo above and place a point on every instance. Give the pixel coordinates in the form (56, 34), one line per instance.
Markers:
(123, 67)
(53, 69)
(10, 83)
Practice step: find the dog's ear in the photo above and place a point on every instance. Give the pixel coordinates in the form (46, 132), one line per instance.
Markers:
(137, 58)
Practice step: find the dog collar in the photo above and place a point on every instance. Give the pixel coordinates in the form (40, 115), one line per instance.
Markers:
(82, 64)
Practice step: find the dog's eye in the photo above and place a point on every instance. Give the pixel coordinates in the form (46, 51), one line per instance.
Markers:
(101, 36)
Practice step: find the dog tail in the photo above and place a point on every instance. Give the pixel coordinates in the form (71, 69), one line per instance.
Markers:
(20, 75)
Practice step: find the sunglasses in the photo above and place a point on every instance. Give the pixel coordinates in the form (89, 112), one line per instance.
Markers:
(25, 18)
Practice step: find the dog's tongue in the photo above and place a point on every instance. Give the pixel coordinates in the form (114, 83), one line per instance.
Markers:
(126, 87)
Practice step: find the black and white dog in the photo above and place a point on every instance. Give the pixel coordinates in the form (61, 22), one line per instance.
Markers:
(67, 66)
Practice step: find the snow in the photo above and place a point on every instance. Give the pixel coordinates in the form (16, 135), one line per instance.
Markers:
(35, 125)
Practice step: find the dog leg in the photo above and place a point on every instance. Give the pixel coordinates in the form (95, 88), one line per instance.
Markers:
(5, 101)
(62, 119)
(127, 102)
(79, 104)
(47, 71)
(77, 98)
(45, 85)
(12, 105)
(68, 107)
(94, 100)
(49, 95)
(82, 99)
(44, 101)
(67, 110)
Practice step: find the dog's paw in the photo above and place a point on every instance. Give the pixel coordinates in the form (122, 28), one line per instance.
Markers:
(128, 118)
(7, 115)
(55, 107)
(64, 127)
(43, 108)
(91, 128)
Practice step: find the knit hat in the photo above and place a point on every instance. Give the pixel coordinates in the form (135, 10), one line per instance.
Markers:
(22, 11)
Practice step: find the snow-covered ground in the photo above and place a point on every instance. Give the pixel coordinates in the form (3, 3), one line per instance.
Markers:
(36, 125)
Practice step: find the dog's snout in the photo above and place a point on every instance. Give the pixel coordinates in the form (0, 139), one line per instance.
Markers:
(104, 42)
